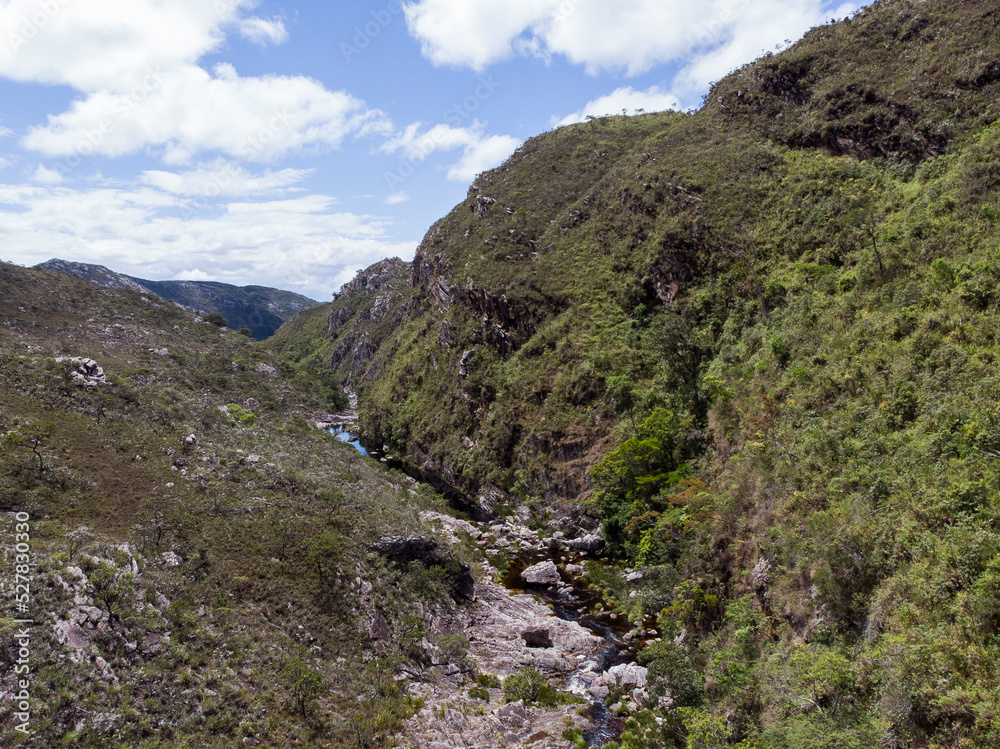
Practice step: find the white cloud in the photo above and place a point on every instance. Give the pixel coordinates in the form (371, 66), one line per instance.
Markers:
(651, 100)
(95, 45)
(626, 35)
(44, 176)
(224, 178)
(191, 111)
(5, 132)
(301, 243)
(482, 155)
(135, 62)
(263, 32)
(196, 274)
(397, 197)
(480, 151)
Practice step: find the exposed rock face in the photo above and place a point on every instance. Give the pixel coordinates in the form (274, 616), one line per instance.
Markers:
(403, 549)
(87, 372)
(463, 370)
(364, 313)
(481, 206)
(760, 576)
(496, 627)
(543, 573)
(406, 549)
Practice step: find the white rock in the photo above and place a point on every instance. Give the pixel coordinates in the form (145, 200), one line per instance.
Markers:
(170, 559)
(543, 573)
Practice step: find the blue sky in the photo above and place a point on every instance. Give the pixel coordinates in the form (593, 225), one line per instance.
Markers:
(290, 144)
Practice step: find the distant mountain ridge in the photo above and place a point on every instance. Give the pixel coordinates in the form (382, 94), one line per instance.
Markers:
(259, 308)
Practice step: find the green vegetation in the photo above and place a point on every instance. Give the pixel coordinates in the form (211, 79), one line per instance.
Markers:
(529, 685)
(759, 342)
(214, 534)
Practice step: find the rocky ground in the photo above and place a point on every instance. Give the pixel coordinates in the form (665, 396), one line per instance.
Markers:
(507, 632)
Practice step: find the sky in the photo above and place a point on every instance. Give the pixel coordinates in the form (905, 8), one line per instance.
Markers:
(290, 144)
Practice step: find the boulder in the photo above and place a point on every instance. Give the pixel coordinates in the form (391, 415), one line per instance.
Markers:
(170, 559)
(537, 637)
(72, 635)
(629, 675)
(378, 627)
(86, 372)
(591, 543)
(543, 573)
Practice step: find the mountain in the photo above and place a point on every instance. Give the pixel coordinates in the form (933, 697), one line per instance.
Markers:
(260, 309)
(758, 344)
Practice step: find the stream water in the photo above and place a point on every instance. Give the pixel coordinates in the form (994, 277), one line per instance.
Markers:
(352, 439)
(575, 601)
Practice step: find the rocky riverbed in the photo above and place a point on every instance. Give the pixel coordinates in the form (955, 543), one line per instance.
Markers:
(541, 614)
(508, 630)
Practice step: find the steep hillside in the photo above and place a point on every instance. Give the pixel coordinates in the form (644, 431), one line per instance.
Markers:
(194, 552)
(259, 309)
(759, 342)
(598, 248)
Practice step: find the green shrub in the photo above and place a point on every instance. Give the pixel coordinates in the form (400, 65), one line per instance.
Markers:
(529, 685)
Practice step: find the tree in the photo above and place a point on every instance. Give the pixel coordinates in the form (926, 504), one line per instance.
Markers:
(78, 539)
(304, 683)
(31, 436)
(529, 685)
(111, 587)
(216, 319)
(630, 477)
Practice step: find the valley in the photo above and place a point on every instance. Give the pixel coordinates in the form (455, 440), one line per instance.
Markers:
(680, 430)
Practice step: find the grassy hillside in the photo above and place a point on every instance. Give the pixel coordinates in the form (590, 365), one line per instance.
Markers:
(200, 545)
(759, 342)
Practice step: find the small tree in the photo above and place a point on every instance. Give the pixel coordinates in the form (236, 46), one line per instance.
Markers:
(529, 685)
(111, 588)
(216, 319)
(30, 437)
(304, 683)
(77, 539)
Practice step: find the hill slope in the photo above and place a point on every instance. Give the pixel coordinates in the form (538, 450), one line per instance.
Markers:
(204, 575)
(260, 309)
(759, 342)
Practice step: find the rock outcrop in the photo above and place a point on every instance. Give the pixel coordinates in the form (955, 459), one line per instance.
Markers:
(86, 372)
